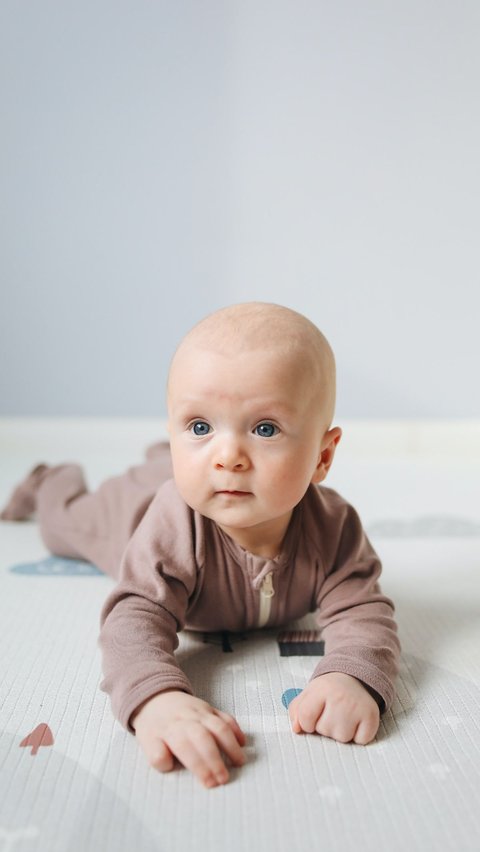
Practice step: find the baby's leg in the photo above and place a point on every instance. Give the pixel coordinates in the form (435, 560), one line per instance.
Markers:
(96, 526)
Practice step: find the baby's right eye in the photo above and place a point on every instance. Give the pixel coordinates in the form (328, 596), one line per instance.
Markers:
(200, 428)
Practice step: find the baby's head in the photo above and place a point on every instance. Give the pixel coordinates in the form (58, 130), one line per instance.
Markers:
(251, 396)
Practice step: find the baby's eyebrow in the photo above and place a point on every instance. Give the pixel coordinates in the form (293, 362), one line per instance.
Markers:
(263, 406)
(283, 414)
(273, 404)
(190, 409)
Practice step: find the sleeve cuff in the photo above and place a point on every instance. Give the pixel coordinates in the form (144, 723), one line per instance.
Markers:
(376, 683)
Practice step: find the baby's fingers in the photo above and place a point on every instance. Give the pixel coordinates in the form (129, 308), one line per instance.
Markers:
(306, 713)
(227, 736)
(198, 751)
(230, 720)
(158, 754)
(367, 729)
(292, 712)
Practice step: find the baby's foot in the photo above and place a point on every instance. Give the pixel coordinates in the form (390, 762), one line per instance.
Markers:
(23, 500)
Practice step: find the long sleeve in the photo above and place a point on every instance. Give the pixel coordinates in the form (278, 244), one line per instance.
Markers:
(142, 616)
(355, 618)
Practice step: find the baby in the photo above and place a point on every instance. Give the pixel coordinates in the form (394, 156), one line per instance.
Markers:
(241, 537)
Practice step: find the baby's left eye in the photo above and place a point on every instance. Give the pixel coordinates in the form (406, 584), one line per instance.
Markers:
(266, 430)
(200, 428)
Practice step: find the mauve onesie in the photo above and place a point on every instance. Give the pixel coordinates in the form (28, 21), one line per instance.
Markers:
(177, 569)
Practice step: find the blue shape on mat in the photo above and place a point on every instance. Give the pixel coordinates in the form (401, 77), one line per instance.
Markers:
(57, 566)
(289, 695)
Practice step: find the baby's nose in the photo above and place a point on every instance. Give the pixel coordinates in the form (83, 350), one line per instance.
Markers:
(231, 456)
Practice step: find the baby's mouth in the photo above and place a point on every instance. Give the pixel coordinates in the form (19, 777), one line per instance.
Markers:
(236, 493)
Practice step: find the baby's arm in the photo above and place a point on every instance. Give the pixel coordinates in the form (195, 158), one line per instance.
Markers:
(353, 683)
(150, 694)
(336, 705)
(356, 621)
(174, 724)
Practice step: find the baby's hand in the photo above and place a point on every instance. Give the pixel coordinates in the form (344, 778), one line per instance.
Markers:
(175, 724)
(338, 706)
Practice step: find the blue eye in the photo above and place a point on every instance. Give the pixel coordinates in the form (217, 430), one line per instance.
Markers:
(200, 428)
(266, 430)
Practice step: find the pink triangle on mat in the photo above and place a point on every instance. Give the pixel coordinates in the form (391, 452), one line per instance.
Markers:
(40, 736)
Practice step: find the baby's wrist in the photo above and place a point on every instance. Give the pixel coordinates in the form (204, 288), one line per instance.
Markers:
(148, 700)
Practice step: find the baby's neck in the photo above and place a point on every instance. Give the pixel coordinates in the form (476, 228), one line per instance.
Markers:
(263, 540)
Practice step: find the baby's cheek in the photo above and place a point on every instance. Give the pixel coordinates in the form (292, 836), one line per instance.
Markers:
(188, 483)
(287, 489)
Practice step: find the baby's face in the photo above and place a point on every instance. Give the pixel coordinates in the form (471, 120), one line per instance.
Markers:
(246, 439)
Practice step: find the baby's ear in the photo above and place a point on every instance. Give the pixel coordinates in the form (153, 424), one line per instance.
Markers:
(327, 452)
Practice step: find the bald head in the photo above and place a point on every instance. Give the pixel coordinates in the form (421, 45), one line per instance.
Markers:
(254, 326)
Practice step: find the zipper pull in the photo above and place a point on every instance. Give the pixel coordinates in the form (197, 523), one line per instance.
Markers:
(266, 589)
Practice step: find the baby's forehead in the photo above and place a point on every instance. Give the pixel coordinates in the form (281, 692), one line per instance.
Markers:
(253, 382)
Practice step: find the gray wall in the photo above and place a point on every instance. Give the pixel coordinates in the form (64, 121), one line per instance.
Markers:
(161, 159)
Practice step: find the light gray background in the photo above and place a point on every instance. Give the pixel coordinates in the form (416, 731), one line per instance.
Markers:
(162, 159)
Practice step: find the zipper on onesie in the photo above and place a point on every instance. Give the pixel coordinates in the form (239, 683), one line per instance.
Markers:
(266, 594)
